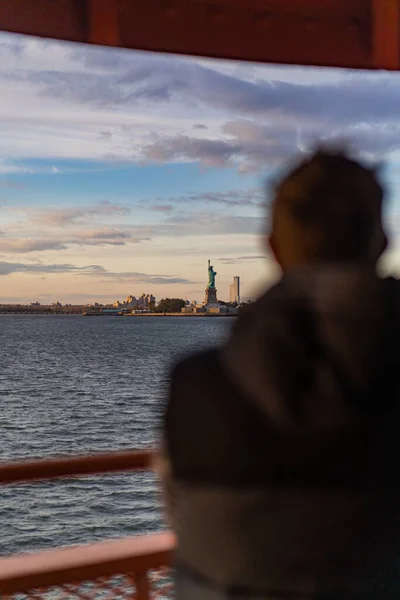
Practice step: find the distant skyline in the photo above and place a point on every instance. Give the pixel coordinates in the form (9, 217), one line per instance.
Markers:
(123, 172)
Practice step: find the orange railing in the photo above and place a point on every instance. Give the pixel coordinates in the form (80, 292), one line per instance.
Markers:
(134, 568)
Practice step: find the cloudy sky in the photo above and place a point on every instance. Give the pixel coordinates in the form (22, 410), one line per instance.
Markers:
(123, 172)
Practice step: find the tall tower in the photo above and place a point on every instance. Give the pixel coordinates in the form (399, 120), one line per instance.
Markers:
(234, 290)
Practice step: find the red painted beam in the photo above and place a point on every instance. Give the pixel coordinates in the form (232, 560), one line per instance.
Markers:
(386, 34)
(133, 556)
(61, 19)
(285, 36)
(103, 22)
(309, 32)
(75, 466)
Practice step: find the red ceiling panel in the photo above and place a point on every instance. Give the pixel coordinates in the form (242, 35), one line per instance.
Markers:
(342, 33)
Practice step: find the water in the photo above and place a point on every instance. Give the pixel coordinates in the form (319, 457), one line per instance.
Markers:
(73, 385)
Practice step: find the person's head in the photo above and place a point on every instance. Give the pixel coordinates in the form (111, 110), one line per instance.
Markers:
(327, 209)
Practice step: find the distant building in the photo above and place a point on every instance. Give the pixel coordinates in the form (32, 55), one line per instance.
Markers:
(193, 309)
(145, 301)
(198, 309)
(187, 309)
(130, 302)
(219, 310)
(234, 291)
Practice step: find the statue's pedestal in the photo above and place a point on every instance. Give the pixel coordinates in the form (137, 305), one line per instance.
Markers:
(210, 297)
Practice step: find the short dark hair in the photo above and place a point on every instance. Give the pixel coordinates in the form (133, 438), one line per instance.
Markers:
(329, 208)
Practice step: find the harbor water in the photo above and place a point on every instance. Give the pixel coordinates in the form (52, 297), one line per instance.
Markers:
(72, 385)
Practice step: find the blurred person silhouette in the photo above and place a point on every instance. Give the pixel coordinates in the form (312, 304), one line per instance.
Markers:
(281, 446)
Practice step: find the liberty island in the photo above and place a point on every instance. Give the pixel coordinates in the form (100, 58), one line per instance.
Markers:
(211, 306)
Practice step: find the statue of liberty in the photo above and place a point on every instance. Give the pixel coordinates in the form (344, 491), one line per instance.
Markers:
(211, 277)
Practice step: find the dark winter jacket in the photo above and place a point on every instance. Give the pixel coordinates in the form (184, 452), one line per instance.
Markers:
(284, 445)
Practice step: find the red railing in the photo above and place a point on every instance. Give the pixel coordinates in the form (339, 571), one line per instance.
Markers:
(75, 466)
(135, 568)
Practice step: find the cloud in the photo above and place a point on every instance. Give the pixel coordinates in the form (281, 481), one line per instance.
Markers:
(23, 246)
(247, 197)
(249, 146)
(208, 224)
(60, 217)
(250, 197)
(184, 224)
(356, 98)
(183, 148)
(105, 236)
(163, 208)
(8, 167)
(374, 142)
(62, 229)
(180, 225)
(240, 259)
(105, 135)
(120, 78)
(243, 144)
(107, 103)
(145, 278)
(7, 268)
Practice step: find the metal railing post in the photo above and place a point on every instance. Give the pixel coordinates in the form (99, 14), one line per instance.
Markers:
(142, 586)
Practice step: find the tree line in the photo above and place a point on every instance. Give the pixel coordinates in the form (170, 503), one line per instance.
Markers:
(170, 305)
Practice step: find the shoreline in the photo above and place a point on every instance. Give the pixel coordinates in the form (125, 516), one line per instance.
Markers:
(141, 315)
(37, 314)
(166, 315)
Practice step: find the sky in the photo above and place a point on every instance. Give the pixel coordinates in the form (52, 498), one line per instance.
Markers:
(123, 172)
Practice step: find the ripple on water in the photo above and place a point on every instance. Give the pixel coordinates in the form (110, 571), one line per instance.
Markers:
(70, 385)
